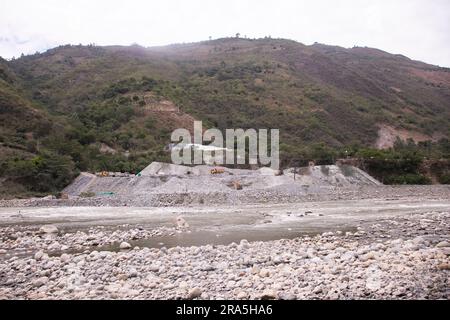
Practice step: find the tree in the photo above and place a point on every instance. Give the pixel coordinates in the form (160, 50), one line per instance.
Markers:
(46, 172)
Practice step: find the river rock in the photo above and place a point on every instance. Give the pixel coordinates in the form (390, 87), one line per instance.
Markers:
(349, 255)
(443, 244)
(287, 296)
(54, 247)
(125, 246)
(244, 244)
(154, 268)
(444, 266)
(206, 267)
(373, 283)
(255, 270)
(264, 273)
(49, 229)
(269, 295)
(181, 223)
(194, 293)
(133, 273)
(242, 295)
(39, 255)
(368, 256)
(40, 282)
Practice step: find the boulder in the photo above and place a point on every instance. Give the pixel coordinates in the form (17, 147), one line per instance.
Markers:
(125, 246)
(444, 266)
(242, 295)
(269, 295)
(264, 273)
(38, 255)
(48, 229)
(40, 282)
(181, 223)
(194, 293)
(443, 244)
(65, 258)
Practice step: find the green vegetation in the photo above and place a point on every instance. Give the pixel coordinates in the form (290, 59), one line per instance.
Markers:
(407, 163)
(47, 172)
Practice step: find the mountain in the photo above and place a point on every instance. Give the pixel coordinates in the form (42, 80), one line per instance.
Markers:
(113, 108)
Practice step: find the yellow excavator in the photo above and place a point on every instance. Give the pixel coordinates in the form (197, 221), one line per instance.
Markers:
(103, 174)
(217, 171)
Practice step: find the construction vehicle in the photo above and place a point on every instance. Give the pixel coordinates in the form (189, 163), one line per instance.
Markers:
(217, 171)
(102, 174)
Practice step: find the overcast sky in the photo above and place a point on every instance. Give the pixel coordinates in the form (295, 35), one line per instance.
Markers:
(419, 29)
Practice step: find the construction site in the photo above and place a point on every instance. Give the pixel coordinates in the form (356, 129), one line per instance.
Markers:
(168, 179)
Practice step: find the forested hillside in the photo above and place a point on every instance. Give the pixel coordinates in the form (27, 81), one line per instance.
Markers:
(78, 108)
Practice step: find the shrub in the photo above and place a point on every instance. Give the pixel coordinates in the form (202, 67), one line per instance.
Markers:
(444, 179)
(410, 178)
(46, 172)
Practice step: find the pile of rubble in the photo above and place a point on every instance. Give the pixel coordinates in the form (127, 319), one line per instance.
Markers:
(168, 179)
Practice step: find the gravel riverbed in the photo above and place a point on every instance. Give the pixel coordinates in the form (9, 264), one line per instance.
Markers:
(25, 240)
(273, 195)
(403, 257)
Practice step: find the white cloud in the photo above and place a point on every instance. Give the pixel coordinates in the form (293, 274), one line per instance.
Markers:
(416, 28)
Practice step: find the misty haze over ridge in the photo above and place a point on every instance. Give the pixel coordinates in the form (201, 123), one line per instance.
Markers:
(417, 29)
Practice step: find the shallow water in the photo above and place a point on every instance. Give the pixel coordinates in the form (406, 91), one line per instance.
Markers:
(223, 237)
(222, 225)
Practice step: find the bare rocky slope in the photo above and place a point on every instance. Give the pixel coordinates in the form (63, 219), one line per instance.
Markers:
(169, 179)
